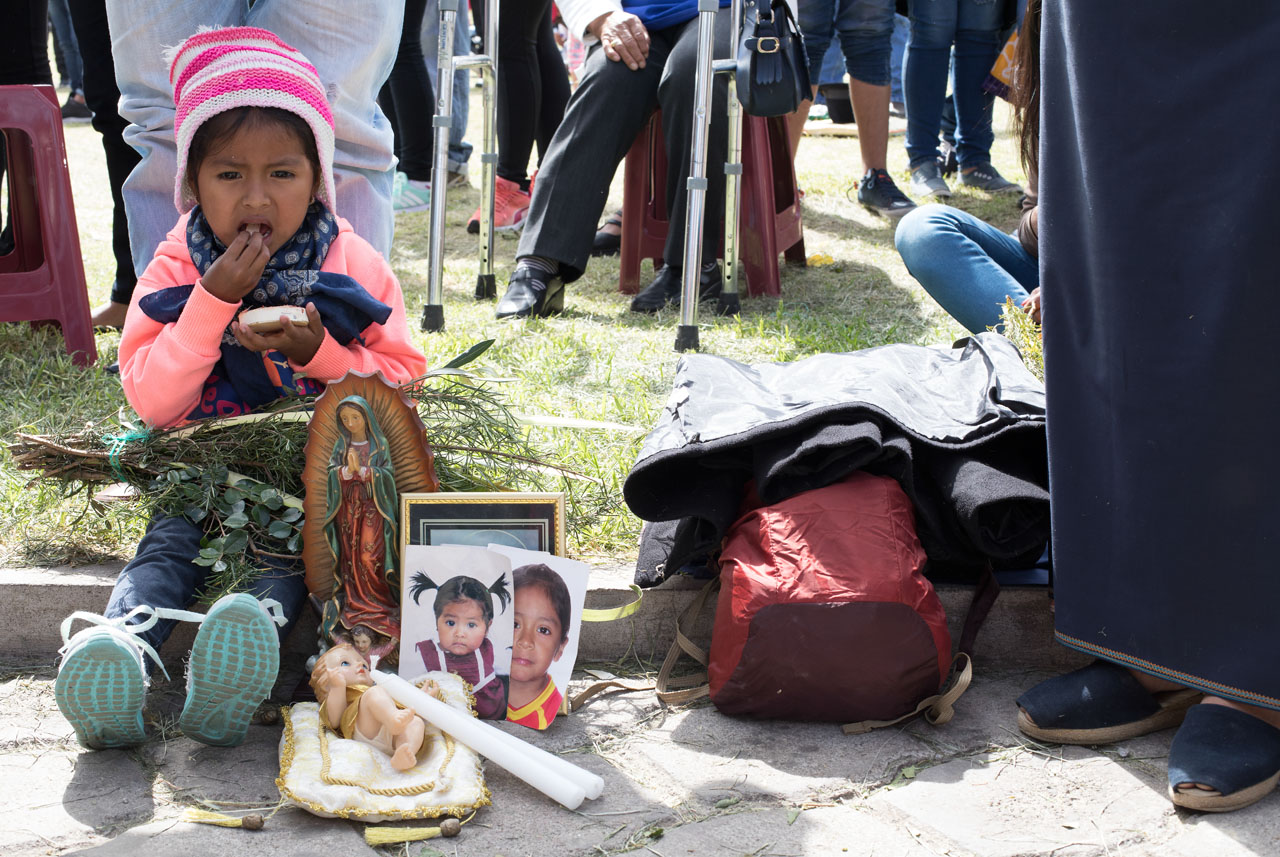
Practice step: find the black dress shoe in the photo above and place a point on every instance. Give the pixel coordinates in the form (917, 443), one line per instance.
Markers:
(664, 291)
(606, 243)
(532, 292)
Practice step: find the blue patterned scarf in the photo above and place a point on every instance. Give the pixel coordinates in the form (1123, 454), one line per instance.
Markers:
(242, 380)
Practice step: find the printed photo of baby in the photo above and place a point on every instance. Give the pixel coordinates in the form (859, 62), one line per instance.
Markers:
(468, 626)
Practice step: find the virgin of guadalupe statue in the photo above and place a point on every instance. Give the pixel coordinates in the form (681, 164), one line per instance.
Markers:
(360, 521)
(366, 446)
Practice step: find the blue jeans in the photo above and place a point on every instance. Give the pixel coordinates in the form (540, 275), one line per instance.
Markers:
(161, 574)
(974, 27)
(60, 18)
(460, 109)
(897, 51)
(865, 28)
(351, 44)
(966, 264)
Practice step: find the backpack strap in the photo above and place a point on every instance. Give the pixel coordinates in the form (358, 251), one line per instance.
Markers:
(984, 596)
(937, 709)
(674, 691)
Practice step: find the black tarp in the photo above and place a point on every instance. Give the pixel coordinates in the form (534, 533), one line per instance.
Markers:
(1159, 182)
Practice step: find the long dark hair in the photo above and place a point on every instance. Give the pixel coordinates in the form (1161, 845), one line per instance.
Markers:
(1025, 93)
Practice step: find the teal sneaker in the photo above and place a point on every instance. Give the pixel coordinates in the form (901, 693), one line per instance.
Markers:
(233, 666)
(101, 686)
(408, 195)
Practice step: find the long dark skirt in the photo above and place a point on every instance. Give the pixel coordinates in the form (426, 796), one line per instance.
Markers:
(1160, 237)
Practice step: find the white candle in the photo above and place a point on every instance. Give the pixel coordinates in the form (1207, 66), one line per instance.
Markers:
(590, 783)
(480, 736)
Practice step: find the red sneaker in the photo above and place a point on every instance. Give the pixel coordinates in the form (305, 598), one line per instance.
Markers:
(510, 205)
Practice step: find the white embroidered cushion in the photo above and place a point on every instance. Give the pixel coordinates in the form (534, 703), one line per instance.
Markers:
(332, 776)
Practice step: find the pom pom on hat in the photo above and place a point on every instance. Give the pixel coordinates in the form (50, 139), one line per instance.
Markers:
(221, 69)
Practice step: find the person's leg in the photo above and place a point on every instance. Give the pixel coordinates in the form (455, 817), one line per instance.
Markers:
(898, 51)
(103, 97)
(978, 44)
(866, 31)
(924, 77)
(676, 97)
(967, 265)
(555, 85)
(816, 19)
(64, 35)
(24, 45)
(353, 46)
(603, 117)
(413, 98)
(160, 575)
(519, 86)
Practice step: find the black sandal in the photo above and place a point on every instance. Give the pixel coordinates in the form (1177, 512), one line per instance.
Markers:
(606, 243)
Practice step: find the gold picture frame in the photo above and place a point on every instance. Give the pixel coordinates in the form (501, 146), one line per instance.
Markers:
(528, 520)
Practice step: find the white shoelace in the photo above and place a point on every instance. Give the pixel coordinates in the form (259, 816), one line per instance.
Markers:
(126, 631)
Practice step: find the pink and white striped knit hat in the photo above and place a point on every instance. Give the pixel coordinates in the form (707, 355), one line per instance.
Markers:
(220, 69)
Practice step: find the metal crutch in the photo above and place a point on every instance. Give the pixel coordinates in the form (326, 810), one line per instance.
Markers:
(446, 64)
(687, 331)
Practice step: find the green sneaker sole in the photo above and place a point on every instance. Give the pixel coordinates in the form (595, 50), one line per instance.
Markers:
(233, 667)
(100, 690)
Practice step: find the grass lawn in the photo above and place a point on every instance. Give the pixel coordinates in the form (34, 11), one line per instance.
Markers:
(598, 361)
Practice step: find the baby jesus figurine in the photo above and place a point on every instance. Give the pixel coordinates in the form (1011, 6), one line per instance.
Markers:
(355, 708)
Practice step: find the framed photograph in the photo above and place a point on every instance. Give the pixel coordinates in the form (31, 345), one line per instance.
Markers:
(528, 521)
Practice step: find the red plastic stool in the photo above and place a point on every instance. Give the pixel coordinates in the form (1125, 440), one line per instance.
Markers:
(770, 221)
(42, 279)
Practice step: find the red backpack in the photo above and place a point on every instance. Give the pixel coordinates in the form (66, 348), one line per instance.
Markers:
(824, 613)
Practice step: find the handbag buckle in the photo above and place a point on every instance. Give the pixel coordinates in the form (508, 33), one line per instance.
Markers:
(768, 45)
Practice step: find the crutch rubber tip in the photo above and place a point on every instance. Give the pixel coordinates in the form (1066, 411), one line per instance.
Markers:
(433, 318)
(687, 337)
(728, 304)
(486, 287)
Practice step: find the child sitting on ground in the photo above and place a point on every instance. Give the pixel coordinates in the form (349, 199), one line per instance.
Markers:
(541, 634)
(255, 188)
(464, 612)
(355, 708)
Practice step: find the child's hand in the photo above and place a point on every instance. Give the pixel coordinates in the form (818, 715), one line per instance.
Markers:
(237, 271)
(299, 344)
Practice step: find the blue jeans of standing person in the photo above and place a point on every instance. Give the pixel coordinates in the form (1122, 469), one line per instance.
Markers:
(60, 18)
(161, 574)
(897, 52)
(460, 109)
(966, 264)
(973, 26)
(865, 28)
(352, 45)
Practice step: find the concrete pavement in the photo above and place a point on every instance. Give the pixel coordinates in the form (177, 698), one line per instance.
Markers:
(679, 781)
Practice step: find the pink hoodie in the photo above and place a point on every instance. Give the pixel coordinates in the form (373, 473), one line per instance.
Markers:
(164, 366)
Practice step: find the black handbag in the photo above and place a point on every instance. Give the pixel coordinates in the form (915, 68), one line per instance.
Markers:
(773, 73)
